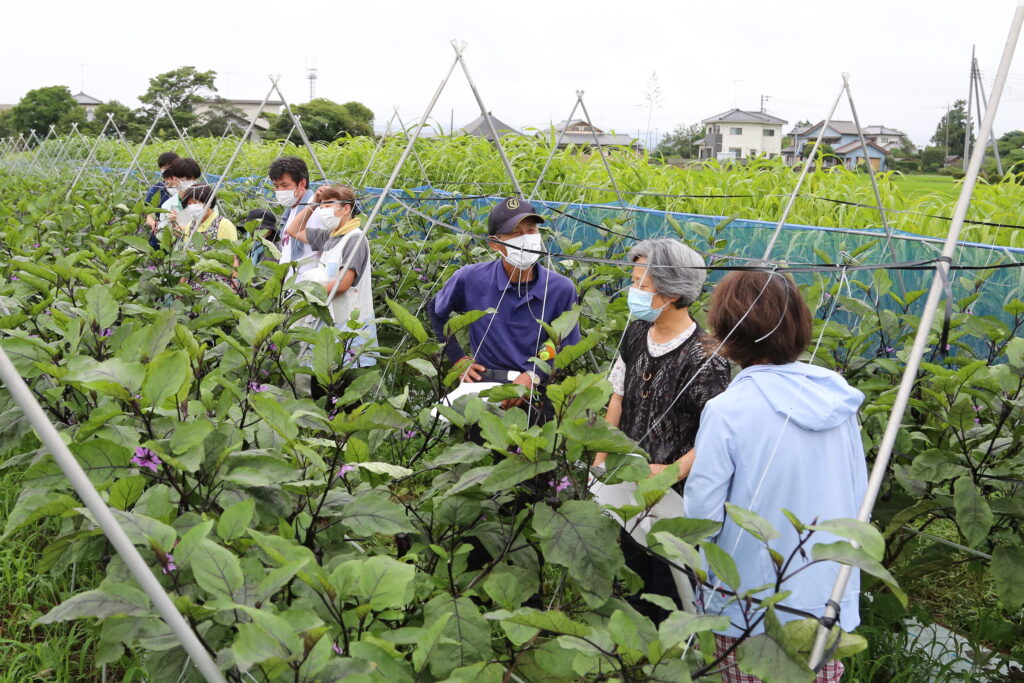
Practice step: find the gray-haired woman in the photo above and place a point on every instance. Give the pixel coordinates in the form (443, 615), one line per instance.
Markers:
(666, 370)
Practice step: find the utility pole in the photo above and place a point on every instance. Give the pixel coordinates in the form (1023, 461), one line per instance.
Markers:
(945, 126)
(968, 127)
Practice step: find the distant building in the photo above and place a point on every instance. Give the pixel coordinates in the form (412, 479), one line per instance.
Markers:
(246, 110)
(89, 104)
(740, 134)
(478, 128)
(579, 133)
(844, 138)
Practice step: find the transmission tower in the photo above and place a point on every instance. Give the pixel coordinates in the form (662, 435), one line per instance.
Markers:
(312, 76)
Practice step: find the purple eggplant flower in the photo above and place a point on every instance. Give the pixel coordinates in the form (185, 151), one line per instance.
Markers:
(977, 420)
(167, 563)
(408, 434)
(273, 346)
(562, 484)
(107, 332)
(890, 349)
(345, 469)
(337, 650)
(256, 387)
(14, 278)
(147, 459)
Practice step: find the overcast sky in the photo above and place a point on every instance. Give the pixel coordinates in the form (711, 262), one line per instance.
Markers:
(907, 59)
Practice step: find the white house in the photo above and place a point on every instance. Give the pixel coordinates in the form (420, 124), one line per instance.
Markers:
(740, 134)
(89, 104)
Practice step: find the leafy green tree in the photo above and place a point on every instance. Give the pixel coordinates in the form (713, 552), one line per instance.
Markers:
(932, 159)
(179, 92)
(43, 107)
(823, 150)
(7, 125)
(126, 119)
(949, 134)
(681, 141)
(215, 118)
(324, 120)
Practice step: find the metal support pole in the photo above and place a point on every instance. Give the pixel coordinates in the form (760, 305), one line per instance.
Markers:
(401, 161)
(979, 94)
(803, 174)
(899, 406)
(459, 47)
(138, 150)
(376, 148)
(302, 131)
(105, 519)
(874, 184)
(968, 127)
(600, 149)
(554, 150)
(289, 136)
(88, 159)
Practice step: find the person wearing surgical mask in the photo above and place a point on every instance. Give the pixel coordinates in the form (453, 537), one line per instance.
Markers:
(178, 177)
(344, 267)
(290, 179)
(522, 292)
(665, 372)
(200, 210)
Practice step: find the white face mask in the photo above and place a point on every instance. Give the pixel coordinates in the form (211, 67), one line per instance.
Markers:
(172, 191)
(516, 257)
(286, 197)
(328, 219)
(194, 211)
(185, 184)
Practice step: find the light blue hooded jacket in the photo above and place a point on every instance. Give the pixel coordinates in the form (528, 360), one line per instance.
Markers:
(781, 436)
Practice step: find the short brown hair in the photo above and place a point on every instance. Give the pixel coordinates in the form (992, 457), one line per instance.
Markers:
(338, 193)
(760, 317)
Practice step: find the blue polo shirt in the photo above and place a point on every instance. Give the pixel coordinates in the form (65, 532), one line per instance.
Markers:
(514, 336)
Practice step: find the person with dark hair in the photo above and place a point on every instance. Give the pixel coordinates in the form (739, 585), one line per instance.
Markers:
(783, 437)
(180, 175)
(665, 373)
(266, 230)
(162, 162)
(290, 179)
(201, 210)
(519, 289)
(344, 266)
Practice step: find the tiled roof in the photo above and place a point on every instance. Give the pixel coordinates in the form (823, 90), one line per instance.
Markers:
(741, 116)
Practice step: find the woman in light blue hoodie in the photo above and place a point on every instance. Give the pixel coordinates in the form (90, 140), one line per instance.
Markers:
(783, 435)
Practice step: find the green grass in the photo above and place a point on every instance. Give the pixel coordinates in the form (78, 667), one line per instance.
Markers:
(60, 652)
(917, 186)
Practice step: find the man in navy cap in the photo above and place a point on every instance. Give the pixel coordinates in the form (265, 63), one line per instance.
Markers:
(519, 289)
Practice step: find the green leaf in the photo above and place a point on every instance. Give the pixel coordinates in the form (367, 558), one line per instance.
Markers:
(844, 553)
(466, 638)
(33, 506)
(165, 376)
(973, 515)
(461, 453)
(368, 515)
(384, 582)
(676, 549)
(270, 409)
(101, 306)
(112, 377)
(722, 565)
(188, 435)
(431, 635)
(679, 626)
(693, 531)
(551, 620)
(935, 465)
(111, 600)
(514, 470)
(579, 536)
(408, 321)
(216, 569)
(753, 523)
(1007, 562)
(190, 541)
(124, 492)
(423, 366)
(235, 520)
(267, 637)
(254, 328)
(510, 586)
(766, 659)
(865, 534)
(458, 322)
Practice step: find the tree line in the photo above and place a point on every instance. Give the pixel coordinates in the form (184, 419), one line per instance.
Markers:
(180, 92)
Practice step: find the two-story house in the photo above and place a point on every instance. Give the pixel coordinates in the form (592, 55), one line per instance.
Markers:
(739, 134)
(844, 139)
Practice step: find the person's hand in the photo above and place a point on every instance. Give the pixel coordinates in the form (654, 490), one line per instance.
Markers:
(151, 222)
(471, 373)
(318, 195)
(658, 469)
(524, 379)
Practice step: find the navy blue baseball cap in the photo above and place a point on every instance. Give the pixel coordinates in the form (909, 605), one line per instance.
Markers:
(505, 216)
